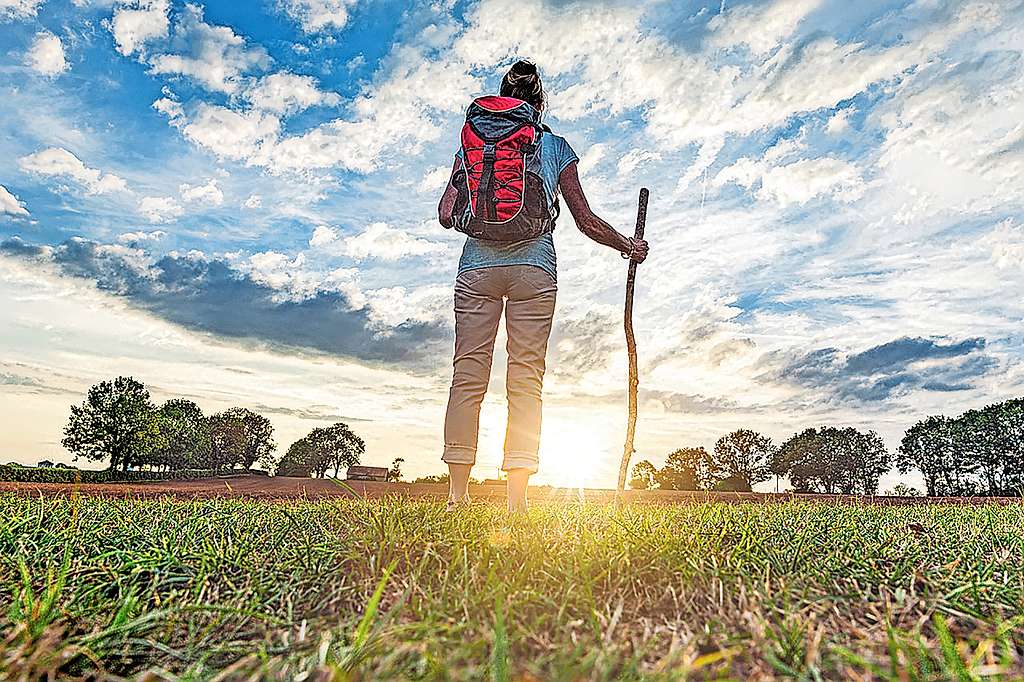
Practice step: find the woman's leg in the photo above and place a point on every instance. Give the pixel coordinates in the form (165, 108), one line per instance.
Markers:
(528, 315)
(478, 305)
(458, 482)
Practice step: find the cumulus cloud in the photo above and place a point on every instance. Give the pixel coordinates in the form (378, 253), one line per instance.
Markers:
(209, 295)
(382, 242)
(322, 236)
(286, 93)
(214, 56)
(1006, 243)
(136, 23)
(57, 162)
(231, 134)
(760, 26)
(209, 194)
(18, 9)
(254, 201)
(160, 209)
(10, 205)
(434, 179)
(141, 236)
(318, 15)
(46, 55)
(798, 182)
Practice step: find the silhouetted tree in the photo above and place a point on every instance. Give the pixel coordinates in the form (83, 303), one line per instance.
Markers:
(744, 455)
(395, 472)
(686, 469)
(116, 422)
(644, 474)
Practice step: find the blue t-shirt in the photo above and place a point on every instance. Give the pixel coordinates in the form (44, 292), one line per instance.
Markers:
(555, 155)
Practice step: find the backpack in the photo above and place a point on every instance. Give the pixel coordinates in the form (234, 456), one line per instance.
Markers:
(501, 195)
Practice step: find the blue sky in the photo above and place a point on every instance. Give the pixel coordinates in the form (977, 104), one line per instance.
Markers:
(235, 201)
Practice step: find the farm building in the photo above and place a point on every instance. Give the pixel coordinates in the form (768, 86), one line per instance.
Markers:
(46, 464)
(364, 473)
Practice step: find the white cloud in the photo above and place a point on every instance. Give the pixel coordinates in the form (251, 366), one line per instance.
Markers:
(382, 242)
(1006, 243)
(160, 209)
(254, 201)
(60, 163)
(214, 56)
(801, 181)
(761, 26)
(170, 108)
(287, 93)
(795, 183)
(136, 23)
(209, 193)
(629, 162)
(839, 122)
(434, 179)
(231, 134)
(141, 236)
(19, 9)
(593, 156)
(46, 55)
(318, 15)
(322, 236)
(10, 205)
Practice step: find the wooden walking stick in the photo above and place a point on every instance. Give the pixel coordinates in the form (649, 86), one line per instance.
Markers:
(627, 452)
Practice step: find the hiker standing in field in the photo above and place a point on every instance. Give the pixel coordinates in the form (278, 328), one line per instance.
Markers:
(503, 193)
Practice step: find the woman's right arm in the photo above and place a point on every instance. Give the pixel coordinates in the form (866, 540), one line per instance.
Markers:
(446, 207)
(590, 224)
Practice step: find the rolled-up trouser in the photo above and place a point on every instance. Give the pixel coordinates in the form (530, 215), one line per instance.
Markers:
(527, 294)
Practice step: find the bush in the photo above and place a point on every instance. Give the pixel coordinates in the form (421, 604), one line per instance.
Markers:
(22, 474)
(733, 484)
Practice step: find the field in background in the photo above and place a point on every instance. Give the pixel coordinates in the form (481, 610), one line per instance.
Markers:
(285, 488)
(396, 588)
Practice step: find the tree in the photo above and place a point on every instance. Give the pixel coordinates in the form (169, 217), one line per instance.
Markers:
(186, 436)
(336, 446)
(745, 455)
(228, 440)
(395, 473)
(299, 460)
(116, 422)
(686, 469)
(644, 474)
(832, 460)
(258, 446)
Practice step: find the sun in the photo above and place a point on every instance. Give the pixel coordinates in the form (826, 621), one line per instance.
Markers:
(573, 455)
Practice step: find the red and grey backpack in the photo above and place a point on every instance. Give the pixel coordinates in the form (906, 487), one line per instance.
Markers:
(501, 196)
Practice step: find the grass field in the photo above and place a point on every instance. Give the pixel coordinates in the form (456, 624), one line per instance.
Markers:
(396, 588)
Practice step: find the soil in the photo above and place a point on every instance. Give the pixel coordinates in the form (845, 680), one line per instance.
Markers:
(283, 488)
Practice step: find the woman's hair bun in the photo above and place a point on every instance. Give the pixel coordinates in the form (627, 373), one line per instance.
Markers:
(523, 82)
(523, 68)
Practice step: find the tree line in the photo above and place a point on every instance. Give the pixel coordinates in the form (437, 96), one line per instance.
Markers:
(981, 452)
(118, 422)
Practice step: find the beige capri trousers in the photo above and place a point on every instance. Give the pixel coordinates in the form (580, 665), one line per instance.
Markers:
(527, 295)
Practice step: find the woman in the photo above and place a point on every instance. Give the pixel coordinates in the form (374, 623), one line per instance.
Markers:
(519, 277)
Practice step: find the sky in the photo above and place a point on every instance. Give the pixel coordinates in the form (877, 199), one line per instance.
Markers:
(236, 203)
